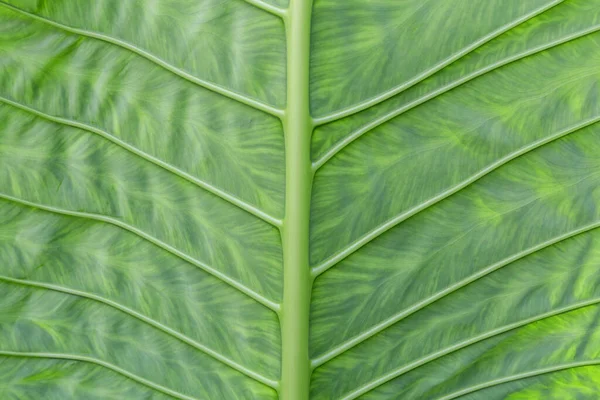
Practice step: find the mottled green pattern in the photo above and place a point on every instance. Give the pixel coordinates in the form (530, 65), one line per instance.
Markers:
(414, 158)
(147, 216)
(453, 224)
(90, 81)
(362, 49)
(570, 20)
(183, 32)
(62, 253)
(73, 170)
(151, 267)
(51, 379)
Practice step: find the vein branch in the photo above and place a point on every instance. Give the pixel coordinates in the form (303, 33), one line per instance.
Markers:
(445, 292)
(91, 360)
(166, 166)
(465, 343)
(523, 375)
(102, 218)
(277, 11)
(240, 98)
(375, 233)
(169, 331)
(337, 147)
(427, 73)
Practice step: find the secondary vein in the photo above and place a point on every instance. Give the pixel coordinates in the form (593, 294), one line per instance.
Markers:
(169, 331)
(266, 108)
(469, 342)
(102, 218)
(156, 161)
(277, 11)
(400, 88)
(114, 368)
(337, 147)
(391, 223)
(445, 292)
(516, 377)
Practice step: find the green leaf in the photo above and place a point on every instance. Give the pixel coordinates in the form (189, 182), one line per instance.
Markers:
(261, 199)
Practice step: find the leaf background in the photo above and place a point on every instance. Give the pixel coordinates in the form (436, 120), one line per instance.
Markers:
(453, 212)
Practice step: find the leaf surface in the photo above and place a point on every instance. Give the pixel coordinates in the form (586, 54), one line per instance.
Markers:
(252, 199)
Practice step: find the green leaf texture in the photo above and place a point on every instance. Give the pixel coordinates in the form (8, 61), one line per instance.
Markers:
(324, 199)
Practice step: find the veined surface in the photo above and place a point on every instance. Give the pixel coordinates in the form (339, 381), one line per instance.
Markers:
(261, 199)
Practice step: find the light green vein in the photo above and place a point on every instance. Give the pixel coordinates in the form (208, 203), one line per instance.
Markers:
(398, 89)
(395, 113)
(516, 377)
(465, 343)
(173, 333)
(450, 289)
(373, 234)
(277, 11)
(182, 174)
(74, 357)
(256, 104)
(102, 218)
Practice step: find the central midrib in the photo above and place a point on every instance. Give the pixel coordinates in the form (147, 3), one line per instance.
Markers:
(297, 280)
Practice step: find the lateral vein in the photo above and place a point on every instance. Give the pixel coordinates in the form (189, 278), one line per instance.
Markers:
(169, 331)
(443, 293)
(102, 218)
(156, 161)
(422, 76)
(523, 375)
(112, 367)
(403, 314)
(465, 343)
(240, 98)
(373, 234)
(430, 96)
(277, 11)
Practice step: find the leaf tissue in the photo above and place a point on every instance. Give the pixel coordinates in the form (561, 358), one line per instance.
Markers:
(303, 199)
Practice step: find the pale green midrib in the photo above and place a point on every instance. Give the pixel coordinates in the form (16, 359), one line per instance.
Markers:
(391, 223)
(523, 375)
(257, 105)
(164, 246)
(297, 282)
(338, 350)
(149, 321)
(112, 367)
(249, 208)
(469, 342)
(339, 146)
(240, 98)
(424, 75)
(277, 11)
